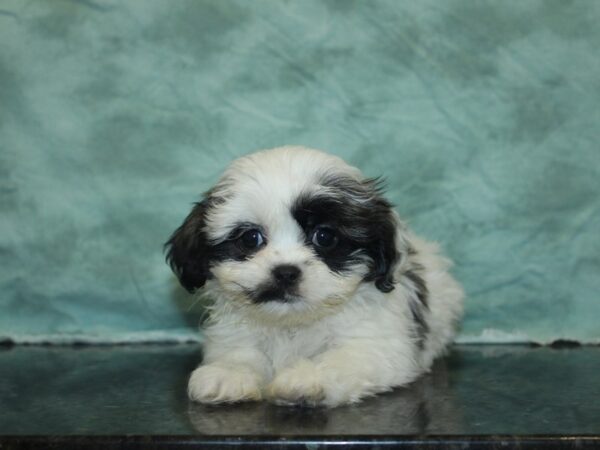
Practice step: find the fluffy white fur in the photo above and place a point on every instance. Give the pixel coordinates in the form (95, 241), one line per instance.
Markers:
(340, 338)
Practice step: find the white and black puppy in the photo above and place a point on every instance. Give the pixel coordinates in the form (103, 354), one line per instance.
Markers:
(320, 295)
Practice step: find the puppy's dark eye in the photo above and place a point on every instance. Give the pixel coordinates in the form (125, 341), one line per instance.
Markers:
(324, 238)
(251, 239)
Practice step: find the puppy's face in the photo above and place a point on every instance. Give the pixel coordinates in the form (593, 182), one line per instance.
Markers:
(287, 233)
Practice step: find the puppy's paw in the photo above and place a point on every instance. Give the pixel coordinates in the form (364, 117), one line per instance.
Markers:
(298, 385)
(215, 383)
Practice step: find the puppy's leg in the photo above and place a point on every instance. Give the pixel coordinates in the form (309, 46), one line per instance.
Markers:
(221, 382)
(298, 384)
(346, 374)
(233, 370)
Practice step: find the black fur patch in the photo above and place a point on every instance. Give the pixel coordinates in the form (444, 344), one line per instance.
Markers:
(363, 221)
(271, 292)
(187, 249)
(418, 301)
(230, 249)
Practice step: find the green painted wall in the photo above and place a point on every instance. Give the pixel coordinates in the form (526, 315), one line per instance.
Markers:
(114, 115)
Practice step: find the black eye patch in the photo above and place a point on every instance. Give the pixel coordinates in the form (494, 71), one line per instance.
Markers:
(325, 232)
(362, 221)
(241, 243)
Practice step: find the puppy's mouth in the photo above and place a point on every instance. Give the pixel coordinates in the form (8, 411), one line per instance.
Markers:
(272, 293)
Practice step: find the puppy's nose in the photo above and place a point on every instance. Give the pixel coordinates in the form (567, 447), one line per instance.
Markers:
(286, 274)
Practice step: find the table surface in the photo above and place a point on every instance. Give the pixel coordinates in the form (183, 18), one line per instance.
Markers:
(475, 393)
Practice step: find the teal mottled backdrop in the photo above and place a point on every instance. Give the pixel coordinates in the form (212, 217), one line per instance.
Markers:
(115, 115)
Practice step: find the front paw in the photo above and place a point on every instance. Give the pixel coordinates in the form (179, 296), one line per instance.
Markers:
(298, 385)
(215, 383)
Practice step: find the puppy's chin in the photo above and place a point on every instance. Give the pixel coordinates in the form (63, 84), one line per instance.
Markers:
(295, 310)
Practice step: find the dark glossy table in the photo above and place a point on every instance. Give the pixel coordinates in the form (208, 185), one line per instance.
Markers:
(134, 397)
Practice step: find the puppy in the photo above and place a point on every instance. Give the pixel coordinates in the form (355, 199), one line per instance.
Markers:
(320, 294)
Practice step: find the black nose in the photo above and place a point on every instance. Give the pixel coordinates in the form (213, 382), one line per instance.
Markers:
(286, 274)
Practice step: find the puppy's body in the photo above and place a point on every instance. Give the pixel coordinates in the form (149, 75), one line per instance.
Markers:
(337, 301)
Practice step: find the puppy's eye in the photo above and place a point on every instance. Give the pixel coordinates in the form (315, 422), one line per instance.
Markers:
(251, 239)
(324, 238)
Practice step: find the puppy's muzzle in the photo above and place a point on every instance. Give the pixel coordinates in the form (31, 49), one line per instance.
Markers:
(283, 287)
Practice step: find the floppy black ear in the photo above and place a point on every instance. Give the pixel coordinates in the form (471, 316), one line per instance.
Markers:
(382, 250)
(187, 249)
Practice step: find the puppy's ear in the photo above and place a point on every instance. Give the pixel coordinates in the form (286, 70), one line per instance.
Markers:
(187, 249)
(382, 250)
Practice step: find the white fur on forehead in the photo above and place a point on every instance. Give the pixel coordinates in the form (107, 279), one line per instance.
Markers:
(261, 187)
(290, 164)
